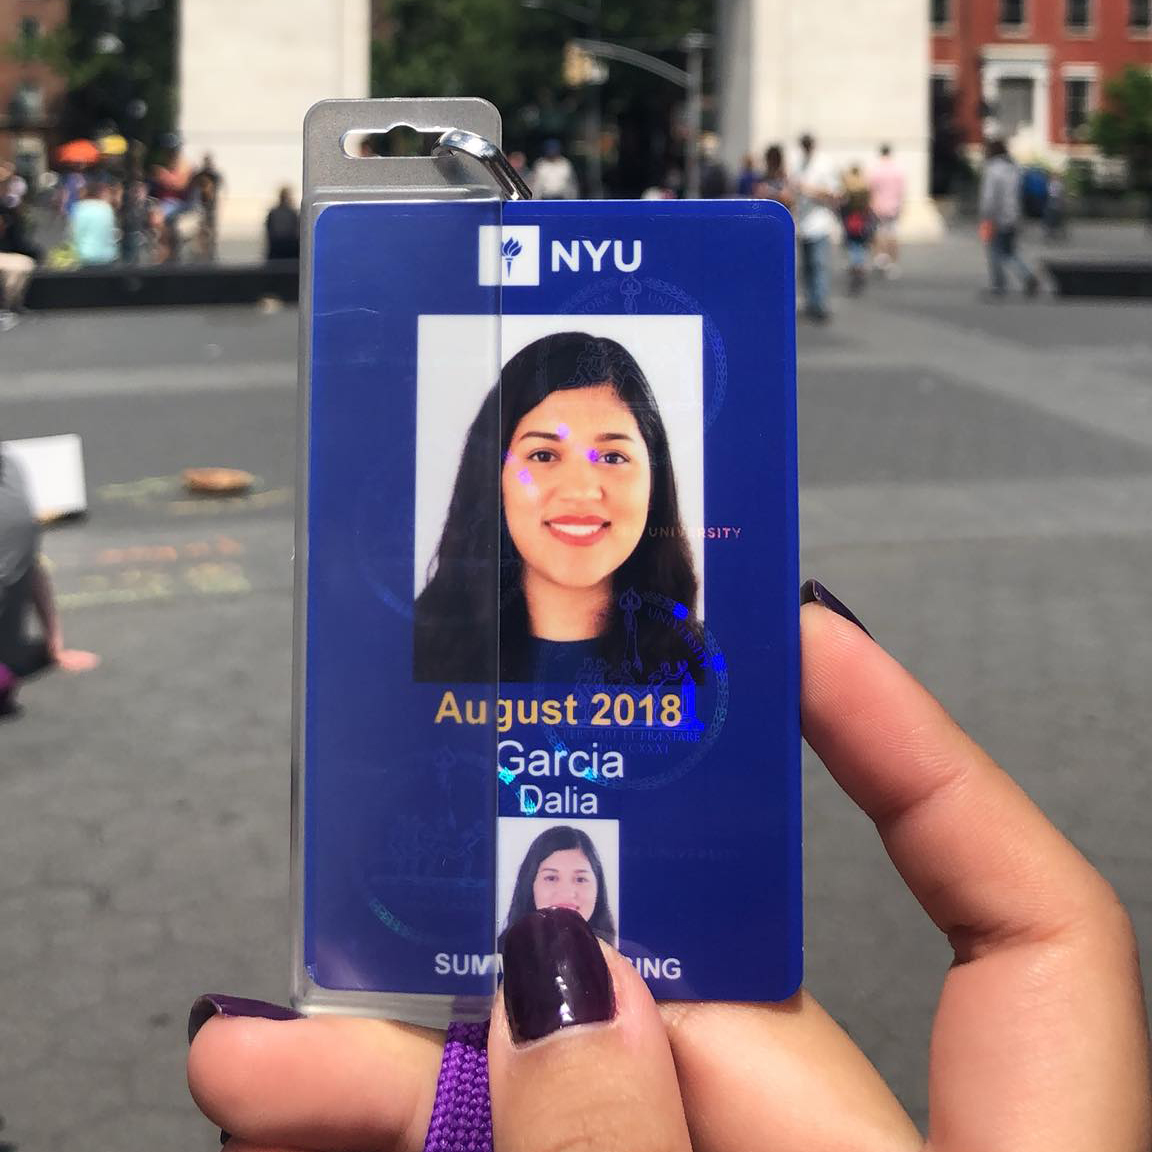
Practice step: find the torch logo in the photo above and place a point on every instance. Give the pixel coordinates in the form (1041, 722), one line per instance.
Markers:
(510, 255)
(510, 249)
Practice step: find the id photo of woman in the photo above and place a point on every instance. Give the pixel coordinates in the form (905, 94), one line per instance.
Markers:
(567, 470)
(562, 867)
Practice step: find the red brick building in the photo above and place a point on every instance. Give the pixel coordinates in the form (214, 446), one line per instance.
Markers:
(1032, 71)
(30, 94)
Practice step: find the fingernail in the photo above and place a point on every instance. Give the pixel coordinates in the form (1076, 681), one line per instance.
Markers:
(213, 1004)
(815, 592)
(555, 975)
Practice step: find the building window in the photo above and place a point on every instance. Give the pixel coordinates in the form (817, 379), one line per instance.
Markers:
(1077, 107)
(941, 94)
(1140, 15)
(1012, 13)
(1078, 15)
(29, 29)
(941, 13)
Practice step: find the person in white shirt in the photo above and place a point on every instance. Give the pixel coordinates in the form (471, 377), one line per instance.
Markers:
(553, 177)
(815, 189)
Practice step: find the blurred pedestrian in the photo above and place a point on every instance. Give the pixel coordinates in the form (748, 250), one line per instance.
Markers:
(18, 255)
(816, 195)
(1034, 191)
(204, 191)
(25, 593)
(750, 177)
(136, 224)
(888, 187)
(1056, 209)
(282, 229)
(169, 180)
(714, 183)
(856, 221)
(553, 177)
(774, 185)
(71, 188)
(13, 187)
(999, 220)
(92, 224)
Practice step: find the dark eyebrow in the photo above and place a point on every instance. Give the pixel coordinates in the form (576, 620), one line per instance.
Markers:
(556, 438)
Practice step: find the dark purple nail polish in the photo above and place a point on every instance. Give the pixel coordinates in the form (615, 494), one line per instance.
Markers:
(213, 1004)
(555, 975)
(815, 592)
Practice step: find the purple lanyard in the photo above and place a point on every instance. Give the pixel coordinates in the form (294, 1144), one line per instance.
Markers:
(462, 1115)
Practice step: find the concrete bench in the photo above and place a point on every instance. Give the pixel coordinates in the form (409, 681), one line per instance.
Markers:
(1114, 278)
(120, 286)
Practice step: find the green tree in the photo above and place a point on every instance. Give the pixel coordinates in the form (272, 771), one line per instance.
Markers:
(513, 54)
(111, 53)
(1123, 127)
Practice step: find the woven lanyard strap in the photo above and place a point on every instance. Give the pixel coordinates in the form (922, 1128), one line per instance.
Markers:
(462, 1115)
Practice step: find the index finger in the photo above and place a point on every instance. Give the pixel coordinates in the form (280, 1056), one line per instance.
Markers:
(1040, 1039)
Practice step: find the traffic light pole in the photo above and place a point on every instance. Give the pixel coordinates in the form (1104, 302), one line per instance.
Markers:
(691, 80)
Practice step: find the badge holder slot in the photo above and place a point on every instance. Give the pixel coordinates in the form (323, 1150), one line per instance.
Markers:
(393, 854)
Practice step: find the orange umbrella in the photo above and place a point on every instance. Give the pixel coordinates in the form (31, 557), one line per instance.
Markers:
(78, 152)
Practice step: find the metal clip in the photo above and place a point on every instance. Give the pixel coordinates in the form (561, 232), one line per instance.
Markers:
(510, 181)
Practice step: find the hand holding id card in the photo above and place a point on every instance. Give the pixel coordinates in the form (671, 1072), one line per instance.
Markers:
(547, 648)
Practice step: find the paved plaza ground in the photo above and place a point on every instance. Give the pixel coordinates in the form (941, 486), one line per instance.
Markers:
(976, 482)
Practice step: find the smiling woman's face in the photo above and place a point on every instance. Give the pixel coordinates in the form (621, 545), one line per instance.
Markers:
(576, 486)
(566, 880)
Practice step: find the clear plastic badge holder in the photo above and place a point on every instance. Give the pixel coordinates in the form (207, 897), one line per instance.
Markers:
(656, 764)
(393, 820)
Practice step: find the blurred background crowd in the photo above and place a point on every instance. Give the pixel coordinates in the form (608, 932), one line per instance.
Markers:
(145, 131)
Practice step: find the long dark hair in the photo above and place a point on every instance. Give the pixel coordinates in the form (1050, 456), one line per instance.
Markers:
(559, 839)
(457, 613)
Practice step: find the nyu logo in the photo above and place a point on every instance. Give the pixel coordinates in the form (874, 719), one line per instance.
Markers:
(510, 256)
(571, 255)
(510, 249)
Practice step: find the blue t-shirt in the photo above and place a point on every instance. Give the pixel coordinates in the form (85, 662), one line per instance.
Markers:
(94, 232)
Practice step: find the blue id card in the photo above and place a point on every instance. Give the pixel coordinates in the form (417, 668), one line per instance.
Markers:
(548, 588)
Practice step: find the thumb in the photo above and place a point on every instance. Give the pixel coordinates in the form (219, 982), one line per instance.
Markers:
(578, 1055)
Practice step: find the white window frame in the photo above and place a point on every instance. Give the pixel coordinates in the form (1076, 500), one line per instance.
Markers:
(1019, 62)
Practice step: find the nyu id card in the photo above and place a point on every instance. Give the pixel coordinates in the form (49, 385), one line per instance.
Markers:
(551, 653)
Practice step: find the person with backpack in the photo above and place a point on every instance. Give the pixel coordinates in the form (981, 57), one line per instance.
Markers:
(857, 222)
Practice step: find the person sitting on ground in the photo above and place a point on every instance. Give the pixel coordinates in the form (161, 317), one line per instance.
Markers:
(282, 229)
(26, 590)
(95, 237)
(18, 259)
